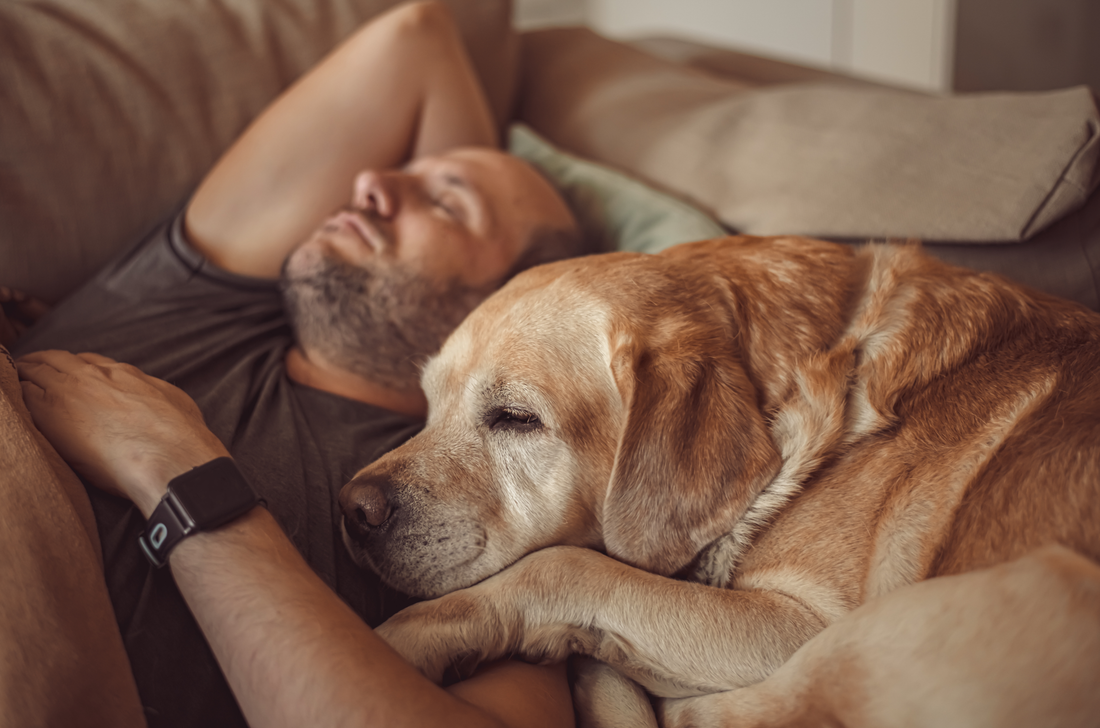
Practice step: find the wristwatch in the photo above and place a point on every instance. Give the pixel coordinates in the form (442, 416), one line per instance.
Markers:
(201, 499)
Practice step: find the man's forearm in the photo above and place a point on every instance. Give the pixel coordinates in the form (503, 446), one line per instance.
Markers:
(295, 655)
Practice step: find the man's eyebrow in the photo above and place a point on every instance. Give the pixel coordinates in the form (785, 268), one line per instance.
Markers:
(453, 179)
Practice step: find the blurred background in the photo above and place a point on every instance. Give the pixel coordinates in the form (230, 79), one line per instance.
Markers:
(932, 45)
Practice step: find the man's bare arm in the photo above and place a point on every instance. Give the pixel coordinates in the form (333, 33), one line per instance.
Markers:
(401, 87)
(293, 652)
(296, 655)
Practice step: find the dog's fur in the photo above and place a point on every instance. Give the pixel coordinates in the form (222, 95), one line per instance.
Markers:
(1017, 644)
(808, 425)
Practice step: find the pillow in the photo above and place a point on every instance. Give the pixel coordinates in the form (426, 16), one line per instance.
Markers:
(114, 109)
(817, 159)
(615, 212)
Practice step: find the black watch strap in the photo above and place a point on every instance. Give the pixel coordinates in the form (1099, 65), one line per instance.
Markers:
(201, 499)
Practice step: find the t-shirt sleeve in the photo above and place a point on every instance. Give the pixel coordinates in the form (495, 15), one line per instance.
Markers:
(158, 306)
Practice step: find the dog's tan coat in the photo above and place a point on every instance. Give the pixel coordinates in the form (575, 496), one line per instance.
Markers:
(805, 424)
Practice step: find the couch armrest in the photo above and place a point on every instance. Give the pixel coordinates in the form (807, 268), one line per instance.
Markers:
(994, 181)
(824, 159)
(737, 66)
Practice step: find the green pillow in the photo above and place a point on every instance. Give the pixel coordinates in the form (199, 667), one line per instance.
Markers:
(615, 212)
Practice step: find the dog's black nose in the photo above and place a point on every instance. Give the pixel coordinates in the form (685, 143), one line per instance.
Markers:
(365, 506)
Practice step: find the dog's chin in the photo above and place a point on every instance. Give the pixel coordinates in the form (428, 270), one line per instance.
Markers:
(421, 575)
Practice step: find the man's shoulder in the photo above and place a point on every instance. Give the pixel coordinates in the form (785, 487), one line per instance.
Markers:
(160, 295)
(167, 265)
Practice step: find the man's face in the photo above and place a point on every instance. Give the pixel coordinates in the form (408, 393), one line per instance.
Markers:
(382, 282)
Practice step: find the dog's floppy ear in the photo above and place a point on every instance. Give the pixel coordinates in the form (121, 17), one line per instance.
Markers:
(694, 452)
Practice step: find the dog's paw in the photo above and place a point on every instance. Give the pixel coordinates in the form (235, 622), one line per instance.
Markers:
(446, 638)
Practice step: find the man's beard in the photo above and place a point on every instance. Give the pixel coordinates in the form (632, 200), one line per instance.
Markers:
(380, 323)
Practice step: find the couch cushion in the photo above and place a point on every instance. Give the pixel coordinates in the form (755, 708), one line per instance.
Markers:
(114, 109)
(817, 159)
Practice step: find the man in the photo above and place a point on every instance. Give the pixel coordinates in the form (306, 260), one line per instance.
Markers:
(303, 396)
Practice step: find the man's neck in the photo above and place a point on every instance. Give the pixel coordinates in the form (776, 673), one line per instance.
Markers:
(314, 371)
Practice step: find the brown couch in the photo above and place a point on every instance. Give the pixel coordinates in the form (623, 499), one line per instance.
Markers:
(111, 111)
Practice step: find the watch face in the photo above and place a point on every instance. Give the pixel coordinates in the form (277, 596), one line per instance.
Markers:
(213, 494)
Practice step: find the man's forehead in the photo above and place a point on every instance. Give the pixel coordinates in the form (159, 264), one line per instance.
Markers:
(472, 160)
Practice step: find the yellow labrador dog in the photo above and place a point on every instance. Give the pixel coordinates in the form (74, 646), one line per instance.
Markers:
(788, 428)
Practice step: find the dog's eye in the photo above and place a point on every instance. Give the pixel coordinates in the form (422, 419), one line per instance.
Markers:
(512, 418)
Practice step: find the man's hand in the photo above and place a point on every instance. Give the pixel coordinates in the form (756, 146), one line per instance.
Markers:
(127, 432)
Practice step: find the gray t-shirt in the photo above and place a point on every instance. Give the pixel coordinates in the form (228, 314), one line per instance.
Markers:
(222, 339)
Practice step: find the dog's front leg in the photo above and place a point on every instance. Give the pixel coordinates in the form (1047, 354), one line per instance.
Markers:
(675, 638)
(516, 611)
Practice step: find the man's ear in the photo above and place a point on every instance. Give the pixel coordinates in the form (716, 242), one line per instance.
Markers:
(694, 455)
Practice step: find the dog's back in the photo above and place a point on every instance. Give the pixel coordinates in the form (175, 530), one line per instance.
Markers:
(972, 426)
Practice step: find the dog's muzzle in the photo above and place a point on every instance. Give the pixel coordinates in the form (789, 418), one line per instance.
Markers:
(418, 544)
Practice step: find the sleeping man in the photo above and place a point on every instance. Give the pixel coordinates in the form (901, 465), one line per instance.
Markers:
(303, 358)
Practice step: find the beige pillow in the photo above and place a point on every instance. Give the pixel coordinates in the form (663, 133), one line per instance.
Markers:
(112, 110)
(615, 211)
(817, 159)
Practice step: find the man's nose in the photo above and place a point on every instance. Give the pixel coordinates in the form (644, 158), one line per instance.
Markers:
(373, 190)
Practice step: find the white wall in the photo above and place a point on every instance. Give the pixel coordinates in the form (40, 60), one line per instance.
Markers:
(910, 42)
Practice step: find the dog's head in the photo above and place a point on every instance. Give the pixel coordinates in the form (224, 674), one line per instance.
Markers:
(599, 402)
